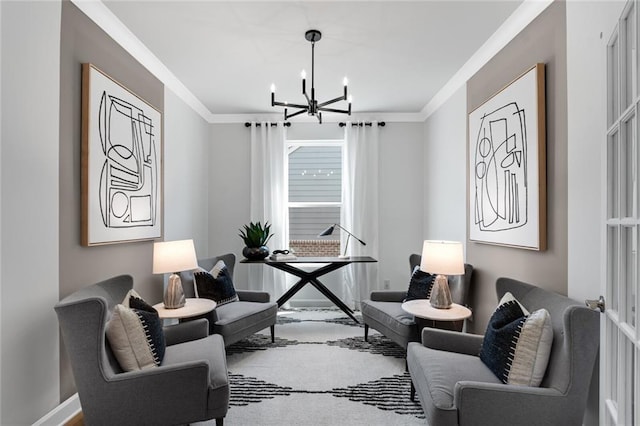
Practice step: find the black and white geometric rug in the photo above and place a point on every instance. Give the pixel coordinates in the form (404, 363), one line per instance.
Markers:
(320, 371)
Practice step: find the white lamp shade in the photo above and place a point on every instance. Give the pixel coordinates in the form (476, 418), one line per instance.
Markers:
(442, 257)
(174, 256)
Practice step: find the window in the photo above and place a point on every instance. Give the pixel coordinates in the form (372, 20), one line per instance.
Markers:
(315, 196)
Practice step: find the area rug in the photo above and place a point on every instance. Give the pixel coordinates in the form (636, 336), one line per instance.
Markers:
(319, 371)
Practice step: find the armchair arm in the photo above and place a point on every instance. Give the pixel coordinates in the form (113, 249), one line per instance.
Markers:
(185, 331)
(491, 403)
(451, 341)
(253, 296)
(163, 386)
(388, 296)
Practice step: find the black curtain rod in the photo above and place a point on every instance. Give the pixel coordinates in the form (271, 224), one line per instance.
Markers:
(285, 124)
(368, 124)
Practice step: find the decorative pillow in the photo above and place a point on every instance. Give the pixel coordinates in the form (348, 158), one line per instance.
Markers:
(517, 344)
(215, 284)
(135, 334)
(419, 285)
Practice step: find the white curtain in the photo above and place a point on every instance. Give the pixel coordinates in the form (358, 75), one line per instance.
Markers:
(269, 171)
(359, 213)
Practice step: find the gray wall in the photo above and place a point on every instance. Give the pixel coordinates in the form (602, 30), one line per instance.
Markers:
(544, 40)
(185, 147)
(29, 200)
(82, 41)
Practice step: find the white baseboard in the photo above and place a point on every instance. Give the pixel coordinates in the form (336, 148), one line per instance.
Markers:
(62, 413)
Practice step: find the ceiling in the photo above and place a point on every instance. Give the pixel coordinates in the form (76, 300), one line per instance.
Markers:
(396, 54)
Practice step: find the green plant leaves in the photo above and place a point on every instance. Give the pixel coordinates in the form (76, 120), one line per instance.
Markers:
(255, 234)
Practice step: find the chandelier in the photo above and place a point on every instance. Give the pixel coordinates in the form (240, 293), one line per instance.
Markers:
(312, 107)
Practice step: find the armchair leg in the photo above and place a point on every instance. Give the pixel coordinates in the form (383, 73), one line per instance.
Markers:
(366, 332)
(220, 421)
(273, 333)
(413, 393)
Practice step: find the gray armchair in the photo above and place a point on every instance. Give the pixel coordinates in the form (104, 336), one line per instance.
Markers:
(190, 385)
(234, 321)
(456, 388)
(383, 311)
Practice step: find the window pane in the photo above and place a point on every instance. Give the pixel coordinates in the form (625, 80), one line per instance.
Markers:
(612, 266)
(614, 103)
(627, 174)
(305, 223)
(628, 268)
(613, 177)
(315, 174)
(629, 53)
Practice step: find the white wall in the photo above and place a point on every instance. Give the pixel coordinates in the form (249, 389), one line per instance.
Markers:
(445, 174)
(186, 170)
(29, 199)
(400, 198)
(229, 186)
(589, 26)
(400, 194)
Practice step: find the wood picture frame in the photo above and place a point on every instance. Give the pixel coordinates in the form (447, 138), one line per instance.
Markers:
(507, 165)
(121, 163)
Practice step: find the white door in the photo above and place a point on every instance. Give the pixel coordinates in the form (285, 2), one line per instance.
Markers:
(620, 335)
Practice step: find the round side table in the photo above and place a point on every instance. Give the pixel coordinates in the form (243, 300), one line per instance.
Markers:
(192, 307)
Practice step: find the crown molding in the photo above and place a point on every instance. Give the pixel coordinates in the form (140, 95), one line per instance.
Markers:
(519, 19)
(105, 19)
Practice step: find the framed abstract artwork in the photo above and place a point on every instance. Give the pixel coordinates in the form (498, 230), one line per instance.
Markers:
(507, 165)
(121, 163)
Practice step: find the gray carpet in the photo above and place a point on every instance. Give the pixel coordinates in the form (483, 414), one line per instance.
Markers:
(320, 371)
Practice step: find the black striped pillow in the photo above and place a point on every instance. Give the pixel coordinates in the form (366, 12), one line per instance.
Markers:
(216, 284)
(517, 344)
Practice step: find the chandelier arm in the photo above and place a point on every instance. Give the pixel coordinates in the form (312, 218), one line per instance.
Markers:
(332, 101)
(341, 111)
(288, 116)
(284, 104)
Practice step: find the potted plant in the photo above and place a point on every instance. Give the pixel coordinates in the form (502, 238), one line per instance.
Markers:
(255, 237)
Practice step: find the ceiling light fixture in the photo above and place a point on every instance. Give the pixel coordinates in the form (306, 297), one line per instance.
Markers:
(313, 107)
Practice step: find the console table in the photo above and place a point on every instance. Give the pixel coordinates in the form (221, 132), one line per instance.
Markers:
(311, 277)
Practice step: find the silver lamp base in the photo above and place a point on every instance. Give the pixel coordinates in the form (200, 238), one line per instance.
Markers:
(440, 294)
(173, 294)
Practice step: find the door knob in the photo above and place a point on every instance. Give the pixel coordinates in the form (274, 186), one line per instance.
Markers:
(596, 304)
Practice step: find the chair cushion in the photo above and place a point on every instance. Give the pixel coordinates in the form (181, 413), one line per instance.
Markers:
(238, 316)
(419, 285)
(517, 344)
(216, 284)
(390, 316)
(135, 334)
(435, 373)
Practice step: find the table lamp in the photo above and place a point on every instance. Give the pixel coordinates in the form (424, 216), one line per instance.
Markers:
(173, 257)
(330, 230)
(442, 258)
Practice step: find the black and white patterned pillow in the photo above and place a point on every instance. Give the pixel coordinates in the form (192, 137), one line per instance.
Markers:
(517, 344)
(419, 285)
(216, 284)
(135, 334)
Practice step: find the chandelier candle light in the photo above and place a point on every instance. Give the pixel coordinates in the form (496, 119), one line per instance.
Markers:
(173, 257)
(442, 258)
(312, 108)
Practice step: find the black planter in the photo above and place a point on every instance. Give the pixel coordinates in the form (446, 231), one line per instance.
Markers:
(255, 253)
